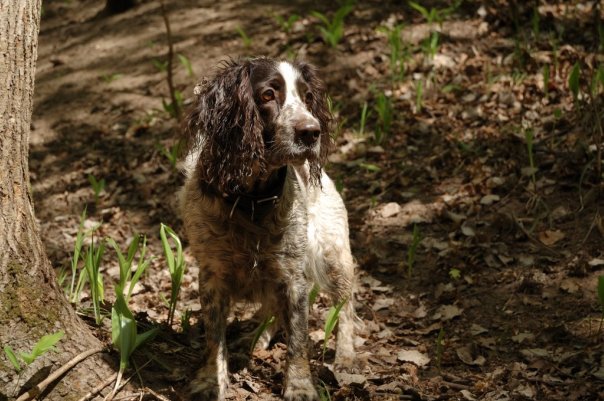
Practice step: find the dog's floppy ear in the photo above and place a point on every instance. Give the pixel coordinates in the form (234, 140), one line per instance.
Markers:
(320, 110)
(226, 126)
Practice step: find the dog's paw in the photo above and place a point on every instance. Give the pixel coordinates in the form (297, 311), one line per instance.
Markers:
(345, 362)
(300, 390)
(207, 387)
(204, 391)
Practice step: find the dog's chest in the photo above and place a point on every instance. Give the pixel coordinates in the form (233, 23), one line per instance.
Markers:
(257, 258)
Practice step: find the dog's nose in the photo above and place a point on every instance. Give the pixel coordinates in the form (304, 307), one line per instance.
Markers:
(307, 132)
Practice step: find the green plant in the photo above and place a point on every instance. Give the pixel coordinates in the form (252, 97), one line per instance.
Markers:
(334, 109)
(370, 167)
(439, 347)
(434, 15)
(92, 264)
(171, 153)
(332, 31)
(535, 23)
(430, 45)
(247, 41)
(286, 24)
(573, 81)
(365, 112)
(411, 252)
(330, 322)
(162, 66)
(261, 329)
(419, 96)
(45, 344)
(546, 76)
(108, 78)
(383, 107)
(75, 258)
(529, 136)
(124, 333)
(138, 244)
(312, 295)
(185, 321)
(601, 299)
(324, 392)
(176, 265)
(186, 63)
(399, 53)
(98, 186)
(174, 107)
(455, 274)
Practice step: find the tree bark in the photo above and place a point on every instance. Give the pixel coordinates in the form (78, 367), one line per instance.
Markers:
(31, 304)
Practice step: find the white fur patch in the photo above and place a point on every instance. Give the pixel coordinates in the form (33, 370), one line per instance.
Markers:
(293, 101)
(290, 75)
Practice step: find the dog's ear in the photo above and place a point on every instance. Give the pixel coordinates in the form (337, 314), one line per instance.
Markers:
(320, 110)
(226, 127)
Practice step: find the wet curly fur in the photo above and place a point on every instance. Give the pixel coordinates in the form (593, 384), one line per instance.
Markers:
(263, 219)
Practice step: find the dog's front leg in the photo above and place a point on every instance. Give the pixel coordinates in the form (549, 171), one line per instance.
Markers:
(298, 381)
(211, 380)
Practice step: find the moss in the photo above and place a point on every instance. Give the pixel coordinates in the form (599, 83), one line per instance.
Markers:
(29, 300)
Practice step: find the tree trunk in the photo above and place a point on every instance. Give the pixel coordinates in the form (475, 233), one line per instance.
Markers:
(31, 304)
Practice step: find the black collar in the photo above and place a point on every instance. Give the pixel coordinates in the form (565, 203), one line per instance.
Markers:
(256, 205)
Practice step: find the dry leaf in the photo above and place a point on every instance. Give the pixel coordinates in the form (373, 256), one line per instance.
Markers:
(550, 237)
(414, 357)
(447, 312)
(569, 286)
(489, 199)
(520, 337)
(390, 209)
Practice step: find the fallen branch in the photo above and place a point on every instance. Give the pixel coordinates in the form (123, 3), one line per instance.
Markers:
(58, 373)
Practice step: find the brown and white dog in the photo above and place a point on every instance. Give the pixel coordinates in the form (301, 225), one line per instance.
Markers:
(263, 219)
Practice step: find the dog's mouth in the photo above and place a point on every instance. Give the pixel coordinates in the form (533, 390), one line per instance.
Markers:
(290, 152)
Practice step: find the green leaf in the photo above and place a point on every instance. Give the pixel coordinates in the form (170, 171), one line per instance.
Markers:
(573, 80)
(321, 17)
(601, 292)
(10, 354)
(261, 329)
(187, 64)
(422, 10)
(166, 246)
(146, 336)
(455, 274)
(45, 344)
(330, 323)
(312, 295)
(370, 167)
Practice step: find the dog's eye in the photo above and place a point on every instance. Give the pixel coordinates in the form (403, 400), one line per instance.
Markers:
(308, 98)
(268, 95)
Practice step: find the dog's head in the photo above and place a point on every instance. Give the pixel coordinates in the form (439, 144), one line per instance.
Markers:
(255, 116)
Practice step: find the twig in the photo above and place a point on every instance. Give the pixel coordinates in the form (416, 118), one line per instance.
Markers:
(155, 394)
(58, 373)
(99, 388)
(533, 239)
(176, 106)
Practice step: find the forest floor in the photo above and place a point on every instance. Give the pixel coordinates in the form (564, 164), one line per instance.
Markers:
(477, 267)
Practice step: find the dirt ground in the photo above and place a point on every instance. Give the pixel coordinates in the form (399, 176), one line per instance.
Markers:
(497, 300)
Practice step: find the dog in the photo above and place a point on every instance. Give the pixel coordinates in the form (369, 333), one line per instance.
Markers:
(264, 221)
